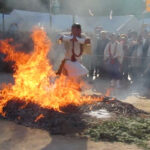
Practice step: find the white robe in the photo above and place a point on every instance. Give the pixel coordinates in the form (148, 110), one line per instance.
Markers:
(116, 51)
(74, 69)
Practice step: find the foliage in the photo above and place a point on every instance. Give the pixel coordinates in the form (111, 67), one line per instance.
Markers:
(128, 130)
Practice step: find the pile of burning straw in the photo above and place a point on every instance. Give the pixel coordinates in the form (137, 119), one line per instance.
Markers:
(72, 119)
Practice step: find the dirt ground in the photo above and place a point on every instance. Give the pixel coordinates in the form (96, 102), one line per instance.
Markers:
(139, 102)
(16, 137)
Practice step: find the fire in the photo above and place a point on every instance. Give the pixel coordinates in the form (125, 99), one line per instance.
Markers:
(39, 117)
(108, 92)
(35, 80)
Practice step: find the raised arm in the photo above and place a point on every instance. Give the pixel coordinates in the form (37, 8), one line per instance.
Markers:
(65, 38)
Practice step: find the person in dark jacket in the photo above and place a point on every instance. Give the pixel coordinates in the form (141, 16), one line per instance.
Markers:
(101, 45)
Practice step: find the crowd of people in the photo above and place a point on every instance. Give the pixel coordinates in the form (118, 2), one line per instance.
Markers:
(122, 57)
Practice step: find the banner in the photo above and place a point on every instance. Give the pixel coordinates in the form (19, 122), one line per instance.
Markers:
(148, 5)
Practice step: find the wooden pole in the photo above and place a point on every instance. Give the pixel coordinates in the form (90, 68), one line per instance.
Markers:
(50, 12)
(3, 25)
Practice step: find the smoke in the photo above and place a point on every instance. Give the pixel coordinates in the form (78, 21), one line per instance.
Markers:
(99, 7)
(34, 5)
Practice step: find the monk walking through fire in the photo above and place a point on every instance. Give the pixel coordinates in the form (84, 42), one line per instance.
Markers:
(75, 43)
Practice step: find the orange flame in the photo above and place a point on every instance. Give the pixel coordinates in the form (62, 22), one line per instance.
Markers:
(35, 80)
(108, 92)
(39, 117)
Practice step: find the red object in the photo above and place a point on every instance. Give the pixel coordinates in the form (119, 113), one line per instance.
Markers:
(112, 60)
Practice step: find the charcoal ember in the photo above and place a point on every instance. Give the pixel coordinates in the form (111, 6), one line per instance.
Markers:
(17, 109)
(53, 121)
(91, 107)
(12, 109)
(62, 123)
(66, 124)
(70, 109)
(101, 97)
(122, 108)
(113, 106)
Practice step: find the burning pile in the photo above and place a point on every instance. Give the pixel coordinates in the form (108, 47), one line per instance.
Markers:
(39, 98)
(34, 78)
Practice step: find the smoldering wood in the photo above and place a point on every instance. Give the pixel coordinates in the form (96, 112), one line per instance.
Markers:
(71, 120)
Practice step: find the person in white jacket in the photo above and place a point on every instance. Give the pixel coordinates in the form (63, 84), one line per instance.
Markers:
(113, 57)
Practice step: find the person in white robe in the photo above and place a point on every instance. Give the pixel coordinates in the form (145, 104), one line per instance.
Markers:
(113, 57)
(74, 43)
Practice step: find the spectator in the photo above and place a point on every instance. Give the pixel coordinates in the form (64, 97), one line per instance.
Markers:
(13, 31)
(113, 56)
(101, 44)
(125, 47)
(136, 52)
(146, 44)
(146, 53)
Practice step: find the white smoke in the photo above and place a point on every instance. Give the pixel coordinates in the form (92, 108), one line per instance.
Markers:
(27, 5)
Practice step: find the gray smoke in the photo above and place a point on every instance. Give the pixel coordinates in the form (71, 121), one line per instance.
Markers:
(39, 6)
(35, 5)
